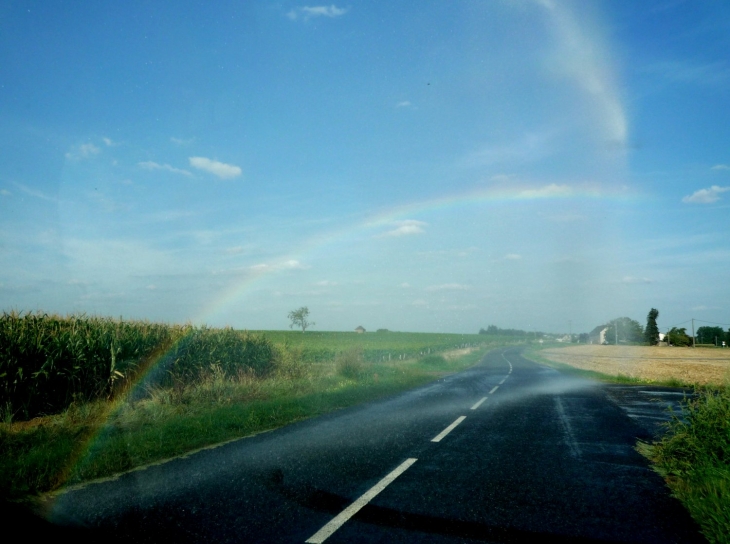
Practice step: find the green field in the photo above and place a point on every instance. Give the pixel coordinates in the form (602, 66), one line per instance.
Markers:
(89, 397)
(319, 346)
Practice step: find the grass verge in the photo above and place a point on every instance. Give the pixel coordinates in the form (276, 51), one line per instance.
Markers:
(694, 459)
(104, 438)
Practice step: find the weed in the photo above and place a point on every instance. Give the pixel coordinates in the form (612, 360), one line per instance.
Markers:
(350, 364)
(694, 458)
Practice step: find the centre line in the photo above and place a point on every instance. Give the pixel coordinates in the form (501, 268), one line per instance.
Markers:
(503, 380)
(337, 522)
(478, 404)
(494, 389)
(448, 429)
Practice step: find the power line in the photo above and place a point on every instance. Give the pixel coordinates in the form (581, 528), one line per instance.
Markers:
(712, 322)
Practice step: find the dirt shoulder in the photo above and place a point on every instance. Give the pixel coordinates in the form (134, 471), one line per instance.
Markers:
(689, 365)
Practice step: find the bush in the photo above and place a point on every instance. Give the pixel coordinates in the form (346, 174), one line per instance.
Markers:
(433, 360)
(350, 364)
(694, 457)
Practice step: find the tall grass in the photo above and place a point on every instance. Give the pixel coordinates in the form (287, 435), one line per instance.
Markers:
(48, 362)
(694, 458)
(105, 437)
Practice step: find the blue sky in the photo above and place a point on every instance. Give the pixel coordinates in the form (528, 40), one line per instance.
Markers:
(422, 166)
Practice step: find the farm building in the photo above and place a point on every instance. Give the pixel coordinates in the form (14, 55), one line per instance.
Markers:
(360, 329)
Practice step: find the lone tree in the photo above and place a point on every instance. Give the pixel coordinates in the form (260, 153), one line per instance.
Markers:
(651, 333)
(300, 318)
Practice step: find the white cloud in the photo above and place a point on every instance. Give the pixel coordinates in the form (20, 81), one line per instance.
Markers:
(705, 196)
(720, 167)
(84, 151)
(501, 178)
(151, 165)
(404, 104)
(308, 12)
(634, 280)
(406, 228)
(448, 287)
(5, 192)
(234, 250)
(182, 141)
(109, 142)
(326, 283)
(34, 193)
(547, 191)
(512, 257)
(220, 169)
(419, 302)
(405, 285)
(291, 264)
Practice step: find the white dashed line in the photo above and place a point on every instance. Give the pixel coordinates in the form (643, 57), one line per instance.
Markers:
(510, 364)
(478, 404)
(494, 389)
(337, 522)
(503, 380)
(448, 429)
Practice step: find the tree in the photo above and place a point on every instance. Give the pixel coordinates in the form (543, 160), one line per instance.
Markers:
(300, 318)
(707, 335)
(625, 329)
(651, 333)
(678, 337)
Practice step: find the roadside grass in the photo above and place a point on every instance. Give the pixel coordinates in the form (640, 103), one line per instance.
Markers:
(106, 437)
(694, 459)
(533, 354)
(693, 456)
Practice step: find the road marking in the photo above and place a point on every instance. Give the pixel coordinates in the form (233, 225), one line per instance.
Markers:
(503, 380)
(494, 389)
(510, 364)
(570, 437)
(448, 429)
(337, 522)
(478, 404)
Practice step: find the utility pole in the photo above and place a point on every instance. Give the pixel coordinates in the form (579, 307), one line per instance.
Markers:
(693, 332)
(570, 329)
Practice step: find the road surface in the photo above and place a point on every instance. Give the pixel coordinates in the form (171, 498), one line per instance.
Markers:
(508, 451)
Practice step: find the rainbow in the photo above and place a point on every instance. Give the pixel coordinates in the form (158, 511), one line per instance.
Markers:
(402, 214)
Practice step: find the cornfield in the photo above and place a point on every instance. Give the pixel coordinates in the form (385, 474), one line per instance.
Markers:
(48, 361)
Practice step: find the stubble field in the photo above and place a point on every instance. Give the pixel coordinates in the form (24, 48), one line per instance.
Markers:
(703, 366)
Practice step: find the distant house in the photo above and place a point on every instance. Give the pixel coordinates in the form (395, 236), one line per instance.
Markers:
(360, 329)
(598, 335)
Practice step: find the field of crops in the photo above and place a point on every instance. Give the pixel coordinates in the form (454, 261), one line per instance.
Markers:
(48, 362)
(316, 346)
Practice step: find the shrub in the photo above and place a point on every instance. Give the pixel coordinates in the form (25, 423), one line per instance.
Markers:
(350, 364)
(433, 360)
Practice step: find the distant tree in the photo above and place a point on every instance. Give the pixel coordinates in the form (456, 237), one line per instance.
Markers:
(382, 330)
(300, 318)
(583, 338)
(707, 335)
(678, 337)
(627, 330)
(651, 333)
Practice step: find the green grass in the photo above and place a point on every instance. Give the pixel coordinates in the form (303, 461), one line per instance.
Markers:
(694, 459)
(103, 438)
(320, 346)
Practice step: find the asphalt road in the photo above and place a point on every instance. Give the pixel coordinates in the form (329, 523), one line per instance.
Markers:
(508, 451)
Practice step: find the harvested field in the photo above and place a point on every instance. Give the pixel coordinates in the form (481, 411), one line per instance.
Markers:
(690, 365)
